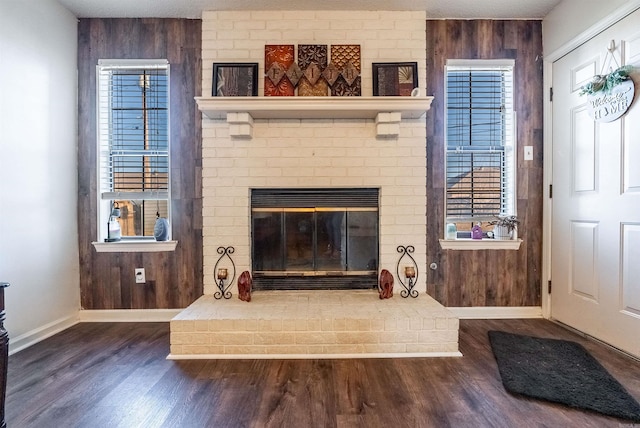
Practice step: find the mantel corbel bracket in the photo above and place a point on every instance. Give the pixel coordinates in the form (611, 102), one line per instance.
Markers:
(240, 125)
(388, 124)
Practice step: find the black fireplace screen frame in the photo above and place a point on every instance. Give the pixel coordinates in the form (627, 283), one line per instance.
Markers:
(315, 238)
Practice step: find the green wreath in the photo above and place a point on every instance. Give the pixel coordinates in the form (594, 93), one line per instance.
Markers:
(606, 82)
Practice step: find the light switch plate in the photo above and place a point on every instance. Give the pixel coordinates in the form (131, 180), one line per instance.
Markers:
(528, 152)
(140, 276)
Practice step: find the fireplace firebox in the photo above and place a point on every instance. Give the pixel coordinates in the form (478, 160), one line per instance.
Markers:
(314, 238)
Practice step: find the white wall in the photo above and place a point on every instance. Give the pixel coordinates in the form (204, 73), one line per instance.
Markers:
(38, 172)
(572, 17)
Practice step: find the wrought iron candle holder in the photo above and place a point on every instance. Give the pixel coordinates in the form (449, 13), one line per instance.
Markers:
(222, 274)
(410, 271)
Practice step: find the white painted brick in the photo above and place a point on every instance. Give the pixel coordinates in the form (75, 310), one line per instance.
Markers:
(269, 36)
(209, 34)
(241, 130)
(266, 15)
(335, 173)
(301, 15)
(315, 24)
(409, 24)
(412, 44)
(282, 25)
(346, 25)
(350, 162)
(378, 24)
(413, 161)
(298, 132)
(247, 182)
(357, 36)
(254, 24)
(240, 15)
(388, 130)
(231, 35)
(266, 172)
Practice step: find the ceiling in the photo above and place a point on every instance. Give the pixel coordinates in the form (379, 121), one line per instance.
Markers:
(460, 9)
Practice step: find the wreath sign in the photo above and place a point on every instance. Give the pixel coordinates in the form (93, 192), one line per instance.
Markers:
(610, 95)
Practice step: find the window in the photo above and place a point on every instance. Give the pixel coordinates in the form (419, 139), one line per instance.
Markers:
(133, 147)
(480, 156)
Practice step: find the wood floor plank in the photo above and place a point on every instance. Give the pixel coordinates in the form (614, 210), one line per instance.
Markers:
(117, 375)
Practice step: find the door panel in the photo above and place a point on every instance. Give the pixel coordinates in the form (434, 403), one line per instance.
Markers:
(595, 240)
(584, 260)
(583, 142)
(631, 268)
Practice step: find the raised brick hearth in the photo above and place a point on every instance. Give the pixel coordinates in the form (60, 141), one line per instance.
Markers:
(314, 324)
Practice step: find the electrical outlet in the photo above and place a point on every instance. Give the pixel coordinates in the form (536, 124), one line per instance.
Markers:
(528, 152)
(140, 277)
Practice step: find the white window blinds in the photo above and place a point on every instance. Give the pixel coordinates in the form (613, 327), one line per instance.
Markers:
(134, 130)
(479, 140)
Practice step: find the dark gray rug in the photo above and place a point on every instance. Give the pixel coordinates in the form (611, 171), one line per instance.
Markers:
(560, 371)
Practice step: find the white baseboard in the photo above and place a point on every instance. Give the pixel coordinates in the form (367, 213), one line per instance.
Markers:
(128, 315)
(17, 344)
(497, 312)
(310, 356)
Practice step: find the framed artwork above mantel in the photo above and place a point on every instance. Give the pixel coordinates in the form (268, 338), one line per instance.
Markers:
(394, 78)
(239, 79)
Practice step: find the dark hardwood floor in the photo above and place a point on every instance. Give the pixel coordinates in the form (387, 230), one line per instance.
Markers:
(116, 375)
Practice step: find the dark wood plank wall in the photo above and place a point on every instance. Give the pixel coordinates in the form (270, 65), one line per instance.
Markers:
(488, 277)
(174, 279)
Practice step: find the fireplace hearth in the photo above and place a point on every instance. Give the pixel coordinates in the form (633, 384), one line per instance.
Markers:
(320, 238)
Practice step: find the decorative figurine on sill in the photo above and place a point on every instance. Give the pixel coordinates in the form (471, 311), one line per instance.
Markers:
(114, 233)
(161, 228)
(476, 231)
(452, 232)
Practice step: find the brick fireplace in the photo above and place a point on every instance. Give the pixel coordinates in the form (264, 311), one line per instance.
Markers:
(319, 153)
(340, 144)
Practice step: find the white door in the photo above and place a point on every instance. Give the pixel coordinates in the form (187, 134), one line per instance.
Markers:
(596, 197)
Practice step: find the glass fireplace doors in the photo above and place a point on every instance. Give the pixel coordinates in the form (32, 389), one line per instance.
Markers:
(314, 247)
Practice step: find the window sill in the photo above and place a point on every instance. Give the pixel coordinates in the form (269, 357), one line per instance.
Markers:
(134, 246)
(479, 244)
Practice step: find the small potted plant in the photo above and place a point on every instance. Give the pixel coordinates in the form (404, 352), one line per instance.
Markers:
(505, 227)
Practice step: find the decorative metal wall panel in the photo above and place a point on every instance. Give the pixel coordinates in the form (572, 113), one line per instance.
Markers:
(346, 58)
(294, 73)
(313, 60)
(342, 89)
(306, 89)
(278, 59)
(308, 54)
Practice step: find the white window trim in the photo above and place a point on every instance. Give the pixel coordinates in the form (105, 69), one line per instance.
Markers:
(488, 244)
(480, 244)
(134, 244)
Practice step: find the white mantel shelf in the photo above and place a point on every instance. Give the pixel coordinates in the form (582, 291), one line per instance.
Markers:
(313, 107)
